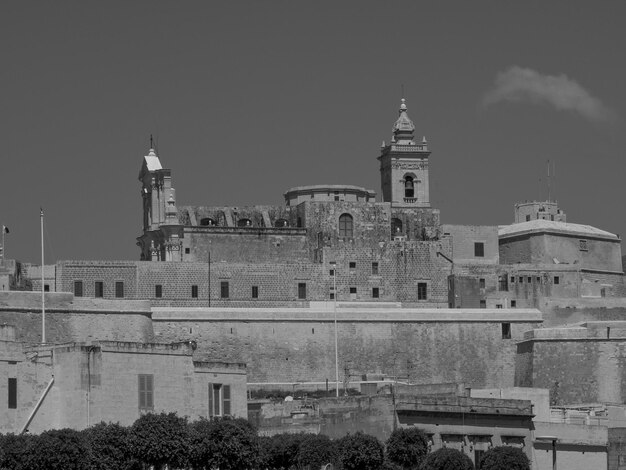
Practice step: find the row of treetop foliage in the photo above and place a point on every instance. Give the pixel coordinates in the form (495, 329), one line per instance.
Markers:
(165, 440)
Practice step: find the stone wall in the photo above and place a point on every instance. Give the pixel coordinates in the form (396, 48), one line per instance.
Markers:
(297, 345)
(70, 319)
(581, 364)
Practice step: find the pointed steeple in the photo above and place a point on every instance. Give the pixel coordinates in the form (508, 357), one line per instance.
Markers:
(403, 128)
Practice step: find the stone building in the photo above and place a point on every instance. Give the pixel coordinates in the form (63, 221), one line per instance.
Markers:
(325, 237)
(101, 362)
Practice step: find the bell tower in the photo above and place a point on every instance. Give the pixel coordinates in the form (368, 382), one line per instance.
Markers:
(404, 166)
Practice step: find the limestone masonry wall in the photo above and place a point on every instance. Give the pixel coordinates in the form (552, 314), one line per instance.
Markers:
(292, 345)
(69, 319)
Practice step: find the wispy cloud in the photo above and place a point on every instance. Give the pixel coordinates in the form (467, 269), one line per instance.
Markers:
(520, 84)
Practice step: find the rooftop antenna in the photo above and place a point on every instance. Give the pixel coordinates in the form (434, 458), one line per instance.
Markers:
(151, 142)
(548, 181)
(402, 90)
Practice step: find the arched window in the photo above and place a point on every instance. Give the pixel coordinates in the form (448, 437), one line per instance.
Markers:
(281, 223)
(207, 221)
(409, 187)
(346, 226)
(396, 227)
(244, 223)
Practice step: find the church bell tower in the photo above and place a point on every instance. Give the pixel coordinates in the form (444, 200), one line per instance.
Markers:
(404, 166)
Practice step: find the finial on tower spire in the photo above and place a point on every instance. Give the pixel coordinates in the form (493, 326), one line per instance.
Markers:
(151, 142)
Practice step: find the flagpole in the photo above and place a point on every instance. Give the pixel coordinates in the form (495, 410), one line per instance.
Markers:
(43, 298)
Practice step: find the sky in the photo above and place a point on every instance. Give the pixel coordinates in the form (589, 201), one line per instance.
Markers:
(247, 99)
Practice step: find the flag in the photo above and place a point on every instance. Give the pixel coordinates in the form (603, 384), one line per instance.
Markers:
(5, 229)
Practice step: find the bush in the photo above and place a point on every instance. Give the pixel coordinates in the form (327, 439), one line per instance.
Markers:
(360, 452)
(447, 459)
(314, 451)
(159, 440)
(63, 449)
(407, 447)
(109, 447)
(280, 451)
(224, 443)
(13, 451)
(505, 458)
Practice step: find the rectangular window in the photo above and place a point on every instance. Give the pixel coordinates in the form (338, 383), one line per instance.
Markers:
(375, 292)
(12, 393)
(302, 290)
(483, 304)
(158, 291)
(332, 296)
(479, 249)
(331, 272)
(255, 292)
(527, 218)
(512, 279)
(78, 288)
(557, 280)
(99, 289)
(194, 292)
(521, 280)
(513, 303)
(46, 287)
(529, 280)
(422, 291)
(502, 284)
(219, 400)
(352, 264)
(187, 251)
(481, 283)
(498, 305)
(119, 289)
(583, 245)
(506, 331)
(353, 290)
(375, 269)
(224, 294)
(146, 391)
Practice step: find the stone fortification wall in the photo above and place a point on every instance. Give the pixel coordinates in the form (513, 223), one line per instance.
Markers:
(401, 266)
(108, 272)
(245, 244)
(297, 345)
(557, 312)
(579, 364)
(70, 319)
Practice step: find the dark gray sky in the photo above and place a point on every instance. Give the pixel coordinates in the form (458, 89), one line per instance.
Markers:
(248, 99)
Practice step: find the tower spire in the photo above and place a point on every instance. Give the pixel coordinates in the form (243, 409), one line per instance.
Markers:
(403, 128)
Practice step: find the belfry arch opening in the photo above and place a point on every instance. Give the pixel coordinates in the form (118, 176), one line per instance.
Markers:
(409, 186)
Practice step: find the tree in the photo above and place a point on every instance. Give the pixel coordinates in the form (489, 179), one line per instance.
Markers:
(407, 447)
(159, 440)
(316, 450)
(447, 459)
(63, 449)
(505, 458)
(360, 452)
(13, 451)
(109, 446)
(280, 451)
(223, 443)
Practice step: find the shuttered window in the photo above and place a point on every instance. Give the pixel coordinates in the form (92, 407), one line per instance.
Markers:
(146, 391)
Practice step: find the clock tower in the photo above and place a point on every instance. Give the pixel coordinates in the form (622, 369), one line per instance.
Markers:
(404, 166)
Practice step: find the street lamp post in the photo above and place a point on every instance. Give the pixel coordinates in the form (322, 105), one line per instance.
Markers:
(334, 266)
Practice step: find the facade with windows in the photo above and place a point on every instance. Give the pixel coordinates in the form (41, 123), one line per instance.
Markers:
(77, 385)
